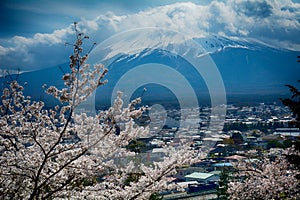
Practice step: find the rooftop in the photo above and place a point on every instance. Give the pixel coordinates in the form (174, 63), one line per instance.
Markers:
(226, 164)
(199, 175)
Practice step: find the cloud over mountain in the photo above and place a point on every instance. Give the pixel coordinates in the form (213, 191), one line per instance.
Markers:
(275, 23)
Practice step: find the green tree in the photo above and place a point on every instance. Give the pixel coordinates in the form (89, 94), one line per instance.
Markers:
(237, 138)
(155, 196)
(135, 146)
(293, 103)
(223, 184)
(274, 144)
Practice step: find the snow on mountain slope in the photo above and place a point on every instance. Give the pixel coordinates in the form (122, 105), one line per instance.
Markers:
(245, 65)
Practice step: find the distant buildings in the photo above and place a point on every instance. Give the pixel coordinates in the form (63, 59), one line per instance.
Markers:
(248, 132)
(287, 132)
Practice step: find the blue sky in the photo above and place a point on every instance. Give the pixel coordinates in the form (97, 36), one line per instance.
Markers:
(33, 32)
(29, 17)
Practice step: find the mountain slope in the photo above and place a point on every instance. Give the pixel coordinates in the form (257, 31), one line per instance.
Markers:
(246, 67)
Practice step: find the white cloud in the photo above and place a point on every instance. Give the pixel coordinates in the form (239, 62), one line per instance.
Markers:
(276, 20)
(3, 51)
(43, 38)
(276, 23)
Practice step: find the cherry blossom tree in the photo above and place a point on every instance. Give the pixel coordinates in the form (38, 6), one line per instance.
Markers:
(59, 154)
(266, 179)
(269, 178)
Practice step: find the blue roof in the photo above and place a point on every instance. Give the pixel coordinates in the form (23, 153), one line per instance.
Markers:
(226, 164)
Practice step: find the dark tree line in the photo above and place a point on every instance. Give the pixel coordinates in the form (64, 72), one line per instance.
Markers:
(294, 104)
(294, 101)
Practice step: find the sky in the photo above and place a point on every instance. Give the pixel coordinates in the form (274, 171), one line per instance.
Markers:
(33, 32)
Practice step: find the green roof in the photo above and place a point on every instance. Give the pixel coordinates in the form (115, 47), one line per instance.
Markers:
(199, 175)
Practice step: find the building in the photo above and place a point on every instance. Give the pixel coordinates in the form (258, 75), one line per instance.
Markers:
(202, 177)
(287, 132)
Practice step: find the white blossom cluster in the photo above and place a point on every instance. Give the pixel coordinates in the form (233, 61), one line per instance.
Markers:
(266, 179)
(57, 154)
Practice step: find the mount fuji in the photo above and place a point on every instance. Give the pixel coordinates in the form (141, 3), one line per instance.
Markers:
(250, 70)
